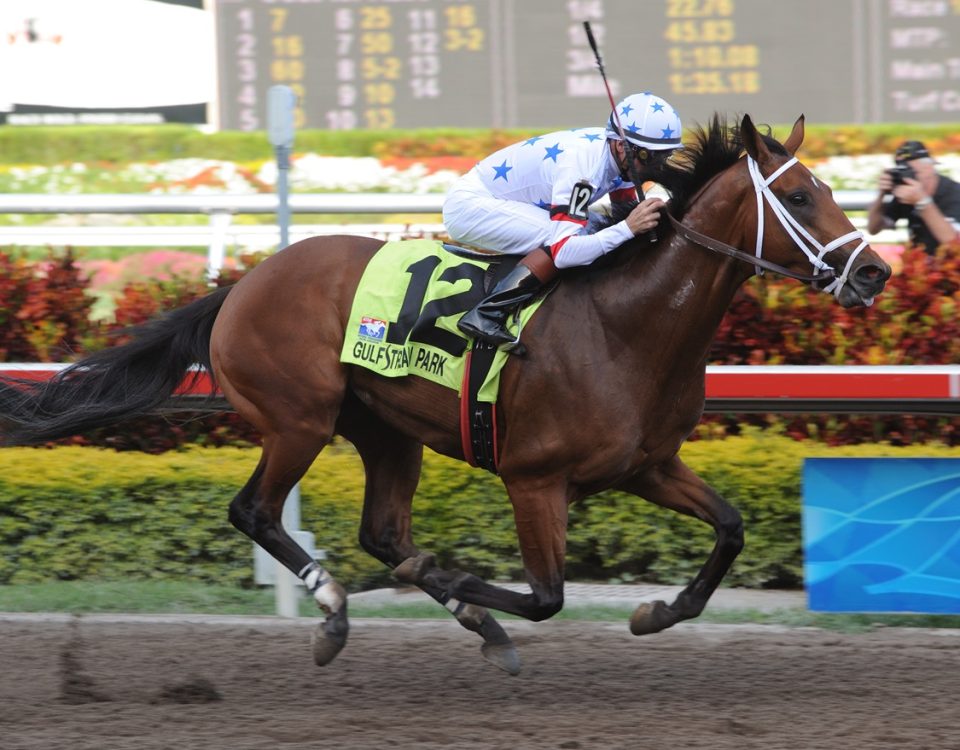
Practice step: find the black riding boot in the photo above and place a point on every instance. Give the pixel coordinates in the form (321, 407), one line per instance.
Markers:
(486, 321)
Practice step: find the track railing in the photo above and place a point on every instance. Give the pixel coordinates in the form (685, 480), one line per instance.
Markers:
(815, 389)
(221, 232)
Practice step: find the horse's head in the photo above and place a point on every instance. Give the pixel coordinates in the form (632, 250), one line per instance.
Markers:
(800, 226)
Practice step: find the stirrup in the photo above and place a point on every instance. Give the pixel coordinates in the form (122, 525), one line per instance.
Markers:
(495, 339)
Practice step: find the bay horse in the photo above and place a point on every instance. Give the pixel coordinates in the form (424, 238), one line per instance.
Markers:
(611, 385)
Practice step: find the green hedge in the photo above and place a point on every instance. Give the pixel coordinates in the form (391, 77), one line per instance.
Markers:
(121, 144)
(87, 513)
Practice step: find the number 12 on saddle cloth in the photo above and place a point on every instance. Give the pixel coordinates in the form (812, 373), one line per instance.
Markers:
(403, 320)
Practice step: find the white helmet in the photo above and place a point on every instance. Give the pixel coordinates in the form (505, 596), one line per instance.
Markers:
(648, 121)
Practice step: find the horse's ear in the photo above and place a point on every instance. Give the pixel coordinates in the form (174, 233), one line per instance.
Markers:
(752, 141)
(795, 138)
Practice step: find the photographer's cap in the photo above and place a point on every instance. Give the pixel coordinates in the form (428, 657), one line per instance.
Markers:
(910, 150)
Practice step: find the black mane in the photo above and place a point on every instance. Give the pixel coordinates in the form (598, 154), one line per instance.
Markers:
(715, 148)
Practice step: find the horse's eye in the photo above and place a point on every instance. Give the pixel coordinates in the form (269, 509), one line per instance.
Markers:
(798, 199)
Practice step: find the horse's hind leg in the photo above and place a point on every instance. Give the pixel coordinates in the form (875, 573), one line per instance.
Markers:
(257, 511)
(392, 463)
(673, 485)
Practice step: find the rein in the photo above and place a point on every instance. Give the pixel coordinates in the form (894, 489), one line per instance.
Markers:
(722, 247)
(793, 228)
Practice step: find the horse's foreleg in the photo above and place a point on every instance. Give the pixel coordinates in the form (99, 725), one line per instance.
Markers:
(673, 485)
(392, 462)
(540, 514)
(257, 511)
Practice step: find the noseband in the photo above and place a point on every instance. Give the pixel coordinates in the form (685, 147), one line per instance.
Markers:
(793, 228)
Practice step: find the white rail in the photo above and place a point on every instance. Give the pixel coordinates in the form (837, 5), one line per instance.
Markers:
(266, 203)
(221, 232)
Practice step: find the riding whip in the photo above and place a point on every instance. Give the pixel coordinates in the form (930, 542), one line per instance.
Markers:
(627, 145)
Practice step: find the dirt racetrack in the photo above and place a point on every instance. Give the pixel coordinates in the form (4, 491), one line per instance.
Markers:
(103, 683)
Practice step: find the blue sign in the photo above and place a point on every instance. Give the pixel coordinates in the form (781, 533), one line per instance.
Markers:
(882, 534)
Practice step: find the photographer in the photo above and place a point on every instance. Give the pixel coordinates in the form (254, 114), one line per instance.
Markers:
(915, 191)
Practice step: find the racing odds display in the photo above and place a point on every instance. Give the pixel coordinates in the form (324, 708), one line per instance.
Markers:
(527, 63)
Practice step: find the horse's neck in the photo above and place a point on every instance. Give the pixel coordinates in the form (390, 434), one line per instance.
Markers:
(670, 297)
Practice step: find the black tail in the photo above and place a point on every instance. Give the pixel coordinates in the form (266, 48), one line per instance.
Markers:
(114, 384)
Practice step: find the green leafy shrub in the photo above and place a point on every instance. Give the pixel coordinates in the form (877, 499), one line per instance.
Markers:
(86, 513)
(44, 309)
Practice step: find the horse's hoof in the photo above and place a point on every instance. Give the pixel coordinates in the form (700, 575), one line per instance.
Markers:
(329, 637)
(652, 617)
(413, 569)
(502, 655)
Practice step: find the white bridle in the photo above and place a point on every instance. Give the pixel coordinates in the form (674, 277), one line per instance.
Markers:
(795, 230)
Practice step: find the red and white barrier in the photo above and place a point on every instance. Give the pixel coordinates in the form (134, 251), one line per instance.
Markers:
(909, 389)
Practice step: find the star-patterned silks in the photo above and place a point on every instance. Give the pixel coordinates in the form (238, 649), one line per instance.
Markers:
(531, 141)
(543, 174)
(553, 152)
(501, 171)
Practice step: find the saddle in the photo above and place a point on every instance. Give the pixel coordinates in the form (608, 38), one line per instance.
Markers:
(498, 264)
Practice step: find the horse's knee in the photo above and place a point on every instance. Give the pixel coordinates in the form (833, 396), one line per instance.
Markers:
(242, 516)
(372, 546)
(242, 512)
(387, 546)
(545, 605)
(730, 532)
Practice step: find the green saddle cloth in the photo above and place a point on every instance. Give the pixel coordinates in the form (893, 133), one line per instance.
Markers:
(404, 315)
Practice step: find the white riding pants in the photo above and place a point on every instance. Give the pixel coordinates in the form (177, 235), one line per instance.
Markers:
(474, 217)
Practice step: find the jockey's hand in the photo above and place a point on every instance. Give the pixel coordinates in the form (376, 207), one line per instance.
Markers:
(645, 216)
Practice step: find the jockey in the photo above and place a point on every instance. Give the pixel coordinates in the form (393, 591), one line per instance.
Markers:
(535, 195)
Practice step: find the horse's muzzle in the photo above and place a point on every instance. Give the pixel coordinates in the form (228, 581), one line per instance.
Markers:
(866, 282)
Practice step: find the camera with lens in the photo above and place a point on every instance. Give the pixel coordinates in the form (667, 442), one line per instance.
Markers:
(900, 172)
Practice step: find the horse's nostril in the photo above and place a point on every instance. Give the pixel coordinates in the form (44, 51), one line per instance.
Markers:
(873, 273)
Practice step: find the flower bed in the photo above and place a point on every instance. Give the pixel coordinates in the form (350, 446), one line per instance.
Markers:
(316, 173)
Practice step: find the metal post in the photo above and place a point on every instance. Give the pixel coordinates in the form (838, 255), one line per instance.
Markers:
(283, 194)
(281, 101)
(219, 225)
(286, 587)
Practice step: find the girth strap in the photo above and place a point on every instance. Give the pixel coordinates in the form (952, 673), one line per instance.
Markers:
(478, 419)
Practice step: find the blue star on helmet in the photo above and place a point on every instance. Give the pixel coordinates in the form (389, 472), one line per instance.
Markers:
(553, 152)
(626, 110)
(533, 140)
(633, 130)
(502, 171)
(657, 107)
(668, 132)
(591, 136)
